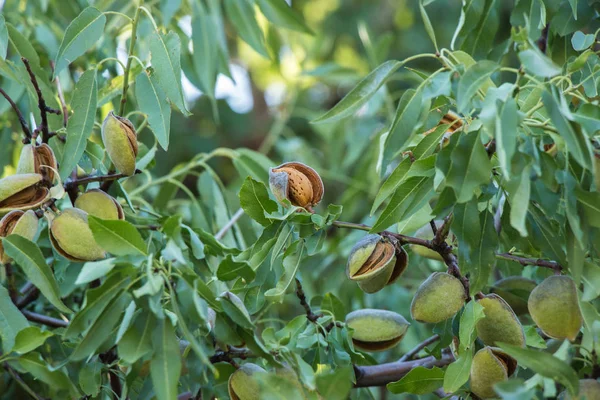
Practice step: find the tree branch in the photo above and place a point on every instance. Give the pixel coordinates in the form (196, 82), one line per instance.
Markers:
(234, 218)
(530, 261)
(382, 374)
(99, 178)
(44, 319)
(409, 355)
(310, 315)
(22, 121)
(44, 109)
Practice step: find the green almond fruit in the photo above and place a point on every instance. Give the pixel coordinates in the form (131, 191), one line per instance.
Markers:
(100, 204)
(490, 366)
(243, 383)
(39, 160)
(589, 389)
(22, 192)
(376, 330)
(515, 291)
(120, 141)
(17, 222)
(438, 298)
(296, 182)
(72, 237)
(374, 262)
(500, 323)
(554, 307)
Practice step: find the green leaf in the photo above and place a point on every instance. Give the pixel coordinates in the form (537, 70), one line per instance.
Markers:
(361, 93)
(81, 123)
(577, 144)
(519, 190)
(291, 262)
(229, 269)
(34, 364)
(538, 64)
(457, 373)
(93, 270)
(391, 183)
(428, 26)
(474, 79)
(470, 167)
(24, 48)
(514, 389)
(30, 258)
(408, 198)
(236, 310)
(404, 123)
(205, 48)
(3, 37)
(506, 134)
(544, 364)
(29, 339)
(588, 116)
(101, 330)
(153, 102)
(429, 143)
(117, 237)
(166, 50)
(11, 321)
(581, 41)
(255, 201)
(242, 16)
(419, 380)
(591, 205)
(336, 384)
(280, 13)
(80, 36)
(483, 253)
(165, 367)
(137, 340)
(472, 313)
(96, 301)
(90, 378)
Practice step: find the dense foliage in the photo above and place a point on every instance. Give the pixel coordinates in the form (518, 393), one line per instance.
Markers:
(264, 199)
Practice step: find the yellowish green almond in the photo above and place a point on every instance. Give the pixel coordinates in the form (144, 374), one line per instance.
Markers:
(20, 223)
(376, 330)
(438, 298)
(22, 192)
(490, 366)
(120, 141)
(589, 389)
(554, 307)
(100, 204)
(243, 383)
(72, 237)
(500, 323)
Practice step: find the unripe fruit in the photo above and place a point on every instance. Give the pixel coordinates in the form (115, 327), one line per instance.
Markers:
(500, 323)
(72, 237)
(243, 383)
(17, 223)
(515, 291)
(39, 160)
(296, 182)
(376, 330)
(120, 140)
(438, 298)
(589, 389)
(425, 232)
(554, 307)
(374, 262)
(100, 204)
(22, 192)
(490, 366)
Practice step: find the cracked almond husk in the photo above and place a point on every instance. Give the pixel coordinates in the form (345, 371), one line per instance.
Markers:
(22, 192)
(39, 160)
(17, 222)
(298, 183)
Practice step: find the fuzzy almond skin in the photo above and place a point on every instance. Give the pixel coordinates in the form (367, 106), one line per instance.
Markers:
(242, 383)
(26, 163)
(486, 371)
(360, 252)
(438, 298)
(118, 145)
(500, 323)
(72, 237)
(20, 223)
(515, 290)
(99, 204)
(376, 330)
(554, 307)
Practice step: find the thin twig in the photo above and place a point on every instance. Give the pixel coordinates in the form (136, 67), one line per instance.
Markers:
(530, 261)
(234, 218)
(98, 178)
(29, 297)
(44, 109)
(108, 358)
(134, 25)
(409, 355)
(44, 319)
(24, 126)
(310, 315)
(15, 375)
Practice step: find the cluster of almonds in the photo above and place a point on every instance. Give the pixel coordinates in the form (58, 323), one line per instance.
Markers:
(375, 262)
(29, 189)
